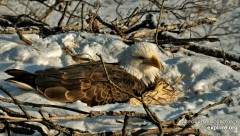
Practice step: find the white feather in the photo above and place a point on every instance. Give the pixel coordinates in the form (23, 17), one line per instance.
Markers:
(19, 85)
(130, 62)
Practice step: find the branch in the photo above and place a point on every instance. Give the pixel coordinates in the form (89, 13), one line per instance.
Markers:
(190, 116)
(43, 105)
(82, 23)
(174, 41)
(63, 14)
(74, 10)
(111, 82)
(169, 128)
(153, 117)
(130, 17)
(124, 129)
(226, 100)
(29, 30)
(25, 126)
(89, 114)
(158, 23)
(173, 27)
(15, 101)
(58, 127)
(27, 41)
(112, 27)
(213, 52)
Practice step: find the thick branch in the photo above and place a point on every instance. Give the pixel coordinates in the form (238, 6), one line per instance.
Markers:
(214, 52)
(173, 27)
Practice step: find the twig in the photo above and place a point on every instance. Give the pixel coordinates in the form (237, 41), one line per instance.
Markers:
(93, 114)
(22, 119)
(157, 29)
(112, 27)
(213, 52)
(88, 114)
(223, 55)
(15, 101)
(74, 10)
(50, 10)
(63, 14)
(19, 115)
(158, 25)
(226, 100)
(178, 80)
(119, 3)
(130, 17)
(28, 30)
(185, 41)
(190, 116)
(136, 27)
(143, 132)
(153, 116)
(139, 18)
(61, 128)
(182, 116)
(111, 82)
(8, 128)
(27, 127)
(175, 129)
(137, 124)
(82, 27)
(43, 105)
(27, 41)
(174, 26)
(159, 22)
(172, 130)
(93, 17)
(55, 126)
(125, 124)
(11, 112)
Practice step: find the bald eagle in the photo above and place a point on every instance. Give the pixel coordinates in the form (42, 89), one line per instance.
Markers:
(136, 70)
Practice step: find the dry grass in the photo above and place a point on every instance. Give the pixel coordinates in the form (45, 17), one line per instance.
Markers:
(164, 93)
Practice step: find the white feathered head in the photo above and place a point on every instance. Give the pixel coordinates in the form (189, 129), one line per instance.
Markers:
(141, 61)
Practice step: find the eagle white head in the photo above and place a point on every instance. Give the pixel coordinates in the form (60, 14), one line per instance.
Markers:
(141, 61)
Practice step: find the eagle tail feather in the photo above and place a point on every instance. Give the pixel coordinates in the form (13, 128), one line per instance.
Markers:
(21, 79)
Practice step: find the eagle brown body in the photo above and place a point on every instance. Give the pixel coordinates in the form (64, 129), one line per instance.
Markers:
(86, 82)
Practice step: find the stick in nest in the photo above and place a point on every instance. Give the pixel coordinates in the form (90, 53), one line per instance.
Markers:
(140, 34)
(15, 101)
(24, 39)
(125, 124)
(111, 82)
(168, 128)
(43, 105)
(81, 58)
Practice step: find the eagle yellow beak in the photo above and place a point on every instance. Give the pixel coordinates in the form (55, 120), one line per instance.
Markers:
(155, 62)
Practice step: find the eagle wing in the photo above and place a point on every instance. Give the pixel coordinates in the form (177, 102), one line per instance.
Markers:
(88, 83)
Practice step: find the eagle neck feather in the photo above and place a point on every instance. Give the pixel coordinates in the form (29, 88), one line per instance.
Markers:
(147, 76)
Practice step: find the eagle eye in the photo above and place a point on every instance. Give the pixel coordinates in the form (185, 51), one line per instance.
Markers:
(140, 57)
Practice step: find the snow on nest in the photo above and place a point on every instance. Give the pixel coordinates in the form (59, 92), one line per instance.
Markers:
(206, 80)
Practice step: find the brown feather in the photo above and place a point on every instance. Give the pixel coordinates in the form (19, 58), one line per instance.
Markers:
(57, 93)
(86, 82)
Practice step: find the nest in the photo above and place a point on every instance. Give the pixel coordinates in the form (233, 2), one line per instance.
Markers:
(164, 93)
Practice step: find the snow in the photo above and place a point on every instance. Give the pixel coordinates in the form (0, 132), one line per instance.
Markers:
(206, 80)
